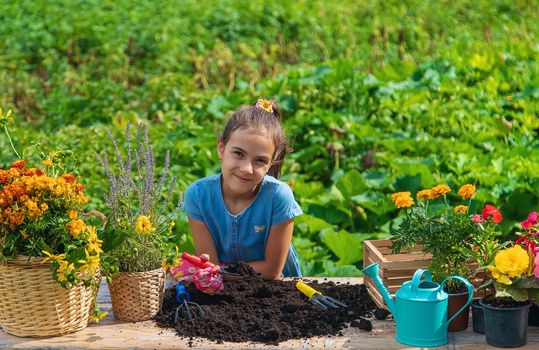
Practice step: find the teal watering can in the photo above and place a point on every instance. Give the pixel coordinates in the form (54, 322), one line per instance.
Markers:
(419, 308)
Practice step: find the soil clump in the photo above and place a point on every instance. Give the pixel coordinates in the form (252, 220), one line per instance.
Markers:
(253, 310)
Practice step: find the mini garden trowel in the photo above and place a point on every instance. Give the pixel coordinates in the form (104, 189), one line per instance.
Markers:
(319, 300)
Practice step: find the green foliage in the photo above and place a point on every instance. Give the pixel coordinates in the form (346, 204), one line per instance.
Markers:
(377, 97)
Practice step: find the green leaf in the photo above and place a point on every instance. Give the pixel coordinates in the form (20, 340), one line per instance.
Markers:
(340, 271)
(112, 239)
(351, 184)
(347, 246)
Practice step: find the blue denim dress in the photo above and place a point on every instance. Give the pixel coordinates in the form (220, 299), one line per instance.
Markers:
(243, 237)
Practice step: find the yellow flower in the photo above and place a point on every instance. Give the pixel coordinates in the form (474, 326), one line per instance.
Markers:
(65, 270)
(423, 194)
(509, 263)
(144, 225)
(94, 243)
(439, 190)
(47, 163)
(73, 214)
(461, 209)
(98, 316)
(402, 199)
(51, 257)
(467, 191)
(90, 265)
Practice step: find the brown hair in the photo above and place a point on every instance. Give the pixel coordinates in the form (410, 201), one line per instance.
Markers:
(260, 119)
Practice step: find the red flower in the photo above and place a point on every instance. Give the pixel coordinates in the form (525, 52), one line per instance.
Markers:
(491, 211)
(524, 239)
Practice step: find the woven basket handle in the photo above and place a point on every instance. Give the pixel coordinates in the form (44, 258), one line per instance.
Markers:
(98, 214)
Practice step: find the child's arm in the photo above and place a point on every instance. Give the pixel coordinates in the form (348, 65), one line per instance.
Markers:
(203, 239)
(276, 252)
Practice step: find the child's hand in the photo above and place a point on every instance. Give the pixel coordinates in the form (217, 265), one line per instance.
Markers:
(207, 280)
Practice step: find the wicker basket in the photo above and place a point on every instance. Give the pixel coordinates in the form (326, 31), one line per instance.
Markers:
(33, 305)
(137, 296)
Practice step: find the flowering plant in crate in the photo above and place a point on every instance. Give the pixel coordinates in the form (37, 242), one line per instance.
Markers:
(448, 232)
(139, 205)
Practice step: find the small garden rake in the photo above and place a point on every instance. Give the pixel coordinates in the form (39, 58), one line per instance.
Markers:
(319, 300)
(184, 298)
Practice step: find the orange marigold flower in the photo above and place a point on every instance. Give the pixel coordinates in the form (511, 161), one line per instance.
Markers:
(402, 199)
(461, 209)
(467, 191)
(439, 190)
(18, 164)
(75, 227)
(4, 176)
(44, 206)
(73, 214)
(47, 163)
(68, 177)
(423, 194)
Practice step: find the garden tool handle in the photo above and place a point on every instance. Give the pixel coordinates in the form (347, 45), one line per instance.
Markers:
(470, 294)
(306, 290)
(416, 280)
(197, 261)
(182, 293)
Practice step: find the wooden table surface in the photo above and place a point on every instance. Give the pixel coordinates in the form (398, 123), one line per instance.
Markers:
(113, 334)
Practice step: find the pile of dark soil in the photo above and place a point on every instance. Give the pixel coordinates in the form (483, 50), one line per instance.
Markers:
(251, 309)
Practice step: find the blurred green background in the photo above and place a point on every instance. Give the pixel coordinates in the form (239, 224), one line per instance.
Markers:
(377, 97)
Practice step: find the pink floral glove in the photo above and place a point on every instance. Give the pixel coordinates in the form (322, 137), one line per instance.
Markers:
(207, 280)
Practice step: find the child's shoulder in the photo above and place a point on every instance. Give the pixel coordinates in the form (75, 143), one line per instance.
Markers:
(274, 184)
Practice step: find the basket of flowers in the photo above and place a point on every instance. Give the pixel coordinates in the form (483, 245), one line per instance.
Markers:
(49, 257)
(139, 226)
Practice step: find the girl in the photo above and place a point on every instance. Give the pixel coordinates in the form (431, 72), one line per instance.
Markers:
(245, 213)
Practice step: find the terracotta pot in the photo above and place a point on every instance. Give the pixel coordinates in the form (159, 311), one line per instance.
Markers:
(455, 303)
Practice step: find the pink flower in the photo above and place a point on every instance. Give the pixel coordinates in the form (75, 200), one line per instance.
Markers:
(536, 260)
(477, 218)
(530, 221)
(491, 211)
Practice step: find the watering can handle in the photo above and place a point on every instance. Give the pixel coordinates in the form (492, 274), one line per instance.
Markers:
(416, 280)
(470, 294)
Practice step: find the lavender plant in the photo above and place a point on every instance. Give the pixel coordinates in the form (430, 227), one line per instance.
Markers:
(140, 211)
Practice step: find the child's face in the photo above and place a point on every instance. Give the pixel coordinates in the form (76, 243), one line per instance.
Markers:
(245, 159)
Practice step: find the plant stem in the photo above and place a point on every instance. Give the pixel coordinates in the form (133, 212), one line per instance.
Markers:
(11, 142)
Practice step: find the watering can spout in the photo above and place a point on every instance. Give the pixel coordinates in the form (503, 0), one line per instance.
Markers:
(372, 272)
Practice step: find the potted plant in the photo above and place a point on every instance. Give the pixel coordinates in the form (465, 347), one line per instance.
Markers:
(139, 222)
(49, 257)
(440, 229)
(529, 239)
(481, 248)
(515, 285)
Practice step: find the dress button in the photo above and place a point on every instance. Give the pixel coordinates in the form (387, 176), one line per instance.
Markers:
(234, 224)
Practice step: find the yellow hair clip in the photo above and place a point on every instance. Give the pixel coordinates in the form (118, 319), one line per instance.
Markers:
(264, 104)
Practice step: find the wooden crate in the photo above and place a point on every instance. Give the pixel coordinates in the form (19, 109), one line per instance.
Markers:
(395, 269)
